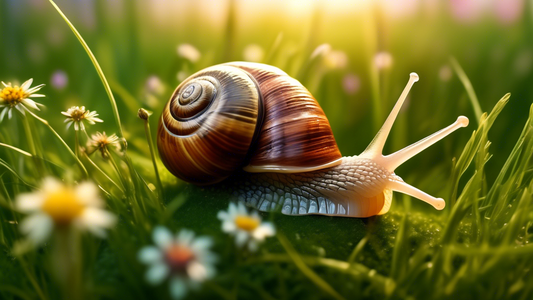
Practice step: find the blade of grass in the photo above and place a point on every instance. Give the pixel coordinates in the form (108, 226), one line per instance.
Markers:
(6, 165)
(16, 149)
(127, 98)
(300, 264)
(96, 66)
(357, 249)
(473, 144)
(468, 87)
(359, 271)
(80, 164)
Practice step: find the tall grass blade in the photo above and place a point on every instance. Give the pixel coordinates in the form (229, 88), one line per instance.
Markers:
(298, 261)
(96, 66)
(468, 87)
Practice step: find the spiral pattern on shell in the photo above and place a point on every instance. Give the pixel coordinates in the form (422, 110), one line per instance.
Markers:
(243, 115)
(208, 125)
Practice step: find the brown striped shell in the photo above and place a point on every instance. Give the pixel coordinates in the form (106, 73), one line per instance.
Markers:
(249, 115)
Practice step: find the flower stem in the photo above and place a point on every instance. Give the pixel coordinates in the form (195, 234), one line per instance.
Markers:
(67, 262)
(31, 144)
(76, 144)
(82, 167)
(104, 173)
(152, 154)
(117, 170)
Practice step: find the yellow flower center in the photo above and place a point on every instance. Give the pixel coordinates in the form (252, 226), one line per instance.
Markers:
(63, 206)
(78, 114)
(247, 223)
(13, 95)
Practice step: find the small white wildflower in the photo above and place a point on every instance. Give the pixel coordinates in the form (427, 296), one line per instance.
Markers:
(182, 75)
(78, 115)
(351, 83)
(321, 50)
(154, 85)
(59, 80)
(445, 73)
(57, 205)
(189, 52)
(383, 60)
(18, 97)
(101, 142)
(184, 259)
(336, 59)
(253, 53)
(245, 227)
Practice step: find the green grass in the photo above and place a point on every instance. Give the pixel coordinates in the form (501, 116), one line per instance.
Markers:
(477, 248)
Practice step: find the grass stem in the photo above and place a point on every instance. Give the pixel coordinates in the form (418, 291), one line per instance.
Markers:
(16, 149)
(468, 87)
(152, 153)
(96, 66)
(77, 144)
(103, 173)
(82, 167)
(32, 279)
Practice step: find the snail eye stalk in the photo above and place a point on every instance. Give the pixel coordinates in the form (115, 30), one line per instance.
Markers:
(390, 162)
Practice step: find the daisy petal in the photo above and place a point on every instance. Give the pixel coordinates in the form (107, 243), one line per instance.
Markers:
(162, 237)
(30, 103)
(241, 238)
(29, 202)
(196, 271)
(38, 227)
(264, 230)
(94, 219)
(87, 193)
(201, 243)
(242, 209)
(51, 185)
(157, 273)
(253, 246)
(3, 113)
(38, 95)
(178, 289)
(27, 84)
(185, 237)
(150, 255)
(229, 226)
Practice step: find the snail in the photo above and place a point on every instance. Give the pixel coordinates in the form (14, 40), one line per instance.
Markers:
(257, 122)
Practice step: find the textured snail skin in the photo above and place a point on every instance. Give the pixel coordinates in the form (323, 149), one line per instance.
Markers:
(356, 188)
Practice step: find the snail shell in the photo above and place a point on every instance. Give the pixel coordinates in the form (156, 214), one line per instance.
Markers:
(257, 118)
(249, 115)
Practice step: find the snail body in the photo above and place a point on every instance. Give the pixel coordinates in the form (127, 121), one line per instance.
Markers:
(255, 121)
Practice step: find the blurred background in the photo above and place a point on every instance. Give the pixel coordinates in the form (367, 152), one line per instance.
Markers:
(354, 56)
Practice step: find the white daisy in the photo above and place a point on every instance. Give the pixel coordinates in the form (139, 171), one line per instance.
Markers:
(189, 52)
(253, 53)
(57, 206)
(101, 142)
(246, 227)
(18, 97)
(184, 259)
(77, 115)
(383, 60)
